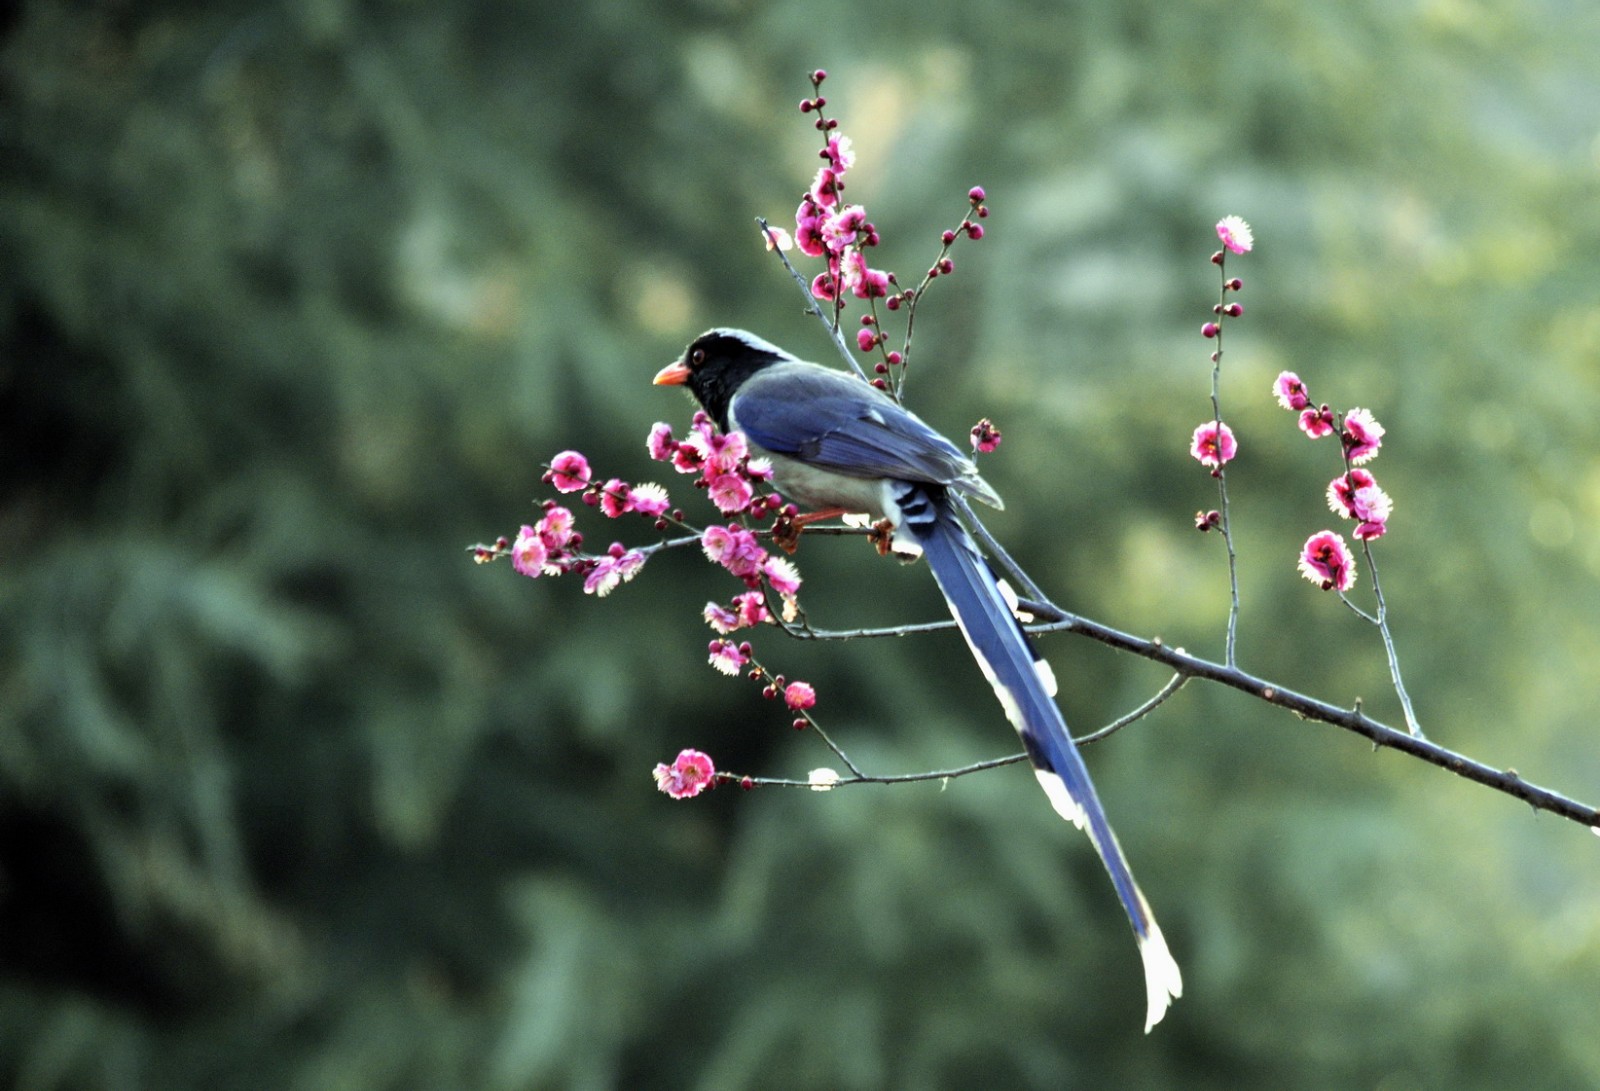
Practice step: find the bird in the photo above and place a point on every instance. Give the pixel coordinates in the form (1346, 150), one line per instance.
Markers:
(839, 445)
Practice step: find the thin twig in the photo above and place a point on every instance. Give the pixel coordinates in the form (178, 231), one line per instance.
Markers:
(834, 331)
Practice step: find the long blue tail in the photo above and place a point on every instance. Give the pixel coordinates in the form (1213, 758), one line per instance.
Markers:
(1026, 690)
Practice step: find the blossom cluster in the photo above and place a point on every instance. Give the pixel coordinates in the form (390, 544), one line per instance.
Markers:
(1213, 443)
(827, 227)
(721, 464)
(1326, 559)
(552, 546)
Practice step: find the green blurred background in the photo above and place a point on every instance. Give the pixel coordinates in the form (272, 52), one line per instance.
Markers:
(296, 299)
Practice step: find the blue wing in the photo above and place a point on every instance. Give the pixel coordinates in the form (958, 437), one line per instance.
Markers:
(831, 421)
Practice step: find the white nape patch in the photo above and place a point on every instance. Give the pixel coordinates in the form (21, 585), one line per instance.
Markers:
(1061, 799)
(760, 344)
(1163, 982)
(1047, 676)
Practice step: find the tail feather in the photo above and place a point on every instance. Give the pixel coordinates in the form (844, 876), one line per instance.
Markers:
(1024, 685)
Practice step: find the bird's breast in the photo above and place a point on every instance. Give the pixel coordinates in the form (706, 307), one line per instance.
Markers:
(817, 488)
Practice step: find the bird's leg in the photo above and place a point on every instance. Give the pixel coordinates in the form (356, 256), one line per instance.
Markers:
(786, 529)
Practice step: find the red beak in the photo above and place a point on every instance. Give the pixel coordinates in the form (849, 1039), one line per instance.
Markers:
(674, 374)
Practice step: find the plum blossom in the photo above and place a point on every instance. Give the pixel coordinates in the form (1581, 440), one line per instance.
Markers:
(1362, 436)
(746, 610)
(1235, 234)
(614, 498)
(529, 553)
(726, 657)
(660, 443)
(1326, 560)
(617, 567)
(782, 574)
(863, 281)
(720, 618)
(730, 492)
(799, 696)
(690, 773)
(569, 471)
(556, 528)
(1290, 391)
(840, 155)
(985, 436)
(1213, 444)
(734, 548)
(1316, 423)
(649, 499)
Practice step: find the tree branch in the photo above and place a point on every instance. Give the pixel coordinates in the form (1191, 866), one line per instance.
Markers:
(1050, 618)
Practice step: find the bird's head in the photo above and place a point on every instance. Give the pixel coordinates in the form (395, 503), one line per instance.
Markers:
(716, 364)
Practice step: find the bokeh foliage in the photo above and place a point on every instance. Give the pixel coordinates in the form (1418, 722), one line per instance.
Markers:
(294, 301)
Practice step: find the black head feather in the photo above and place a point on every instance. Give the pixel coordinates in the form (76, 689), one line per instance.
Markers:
(720, 360)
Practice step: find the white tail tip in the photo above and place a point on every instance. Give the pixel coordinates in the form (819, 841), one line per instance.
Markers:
(1163, 983)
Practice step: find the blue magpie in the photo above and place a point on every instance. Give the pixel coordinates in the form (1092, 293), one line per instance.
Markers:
(838, 445)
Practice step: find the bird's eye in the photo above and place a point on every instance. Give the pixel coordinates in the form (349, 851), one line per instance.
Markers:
(697, 357)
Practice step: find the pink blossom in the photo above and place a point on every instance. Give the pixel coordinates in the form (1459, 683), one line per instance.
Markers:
(840, 154)
(752, 607)
(1326, 560)
(729, 492)
(528, 553)
(824, 192)
(799, 695)
(691, 773)
(1362, 436)
(842, 228)
(617, 568)
(690, 455)
(720, 618)
(726, 451)
(782, 574)
(1341, 491)
(569, 471)
(1290, 391)
(734, 548)
(824, 287)
(555, 529)
(746, 610)
(777, 238)
(866, 339)
(614, 498)
(864, 281)
(985, 436)
(1213, 444)
(1235, 234)
(1368, 531)
(808, 228)
(660, 444)
(649, 499)
(1356, 495)
(758, 469)
(726, 657)
(1316, 423)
